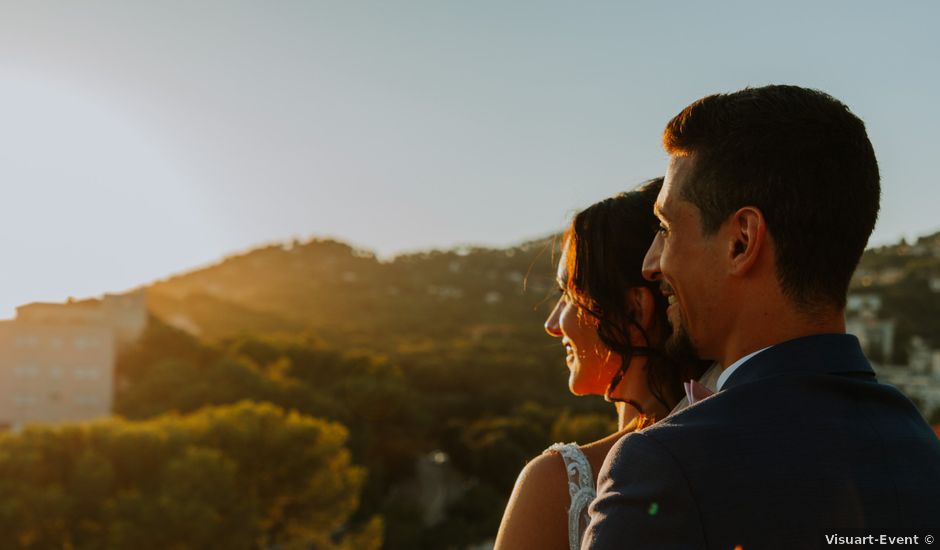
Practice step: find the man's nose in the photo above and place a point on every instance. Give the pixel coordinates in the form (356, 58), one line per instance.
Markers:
(651, 269)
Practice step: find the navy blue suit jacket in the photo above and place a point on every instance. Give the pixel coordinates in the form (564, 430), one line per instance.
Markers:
(801, 441)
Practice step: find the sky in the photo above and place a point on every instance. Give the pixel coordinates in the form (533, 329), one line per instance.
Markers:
(141, 139)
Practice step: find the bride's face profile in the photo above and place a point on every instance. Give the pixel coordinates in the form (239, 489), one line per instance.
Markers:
(591, 364)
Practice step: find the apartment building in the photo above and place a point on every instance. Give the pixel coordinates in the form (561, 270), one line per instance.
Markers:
(57, 359)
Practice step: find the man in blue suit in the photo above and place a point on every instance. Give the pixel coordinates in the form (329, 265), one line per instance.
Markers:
(769, 199)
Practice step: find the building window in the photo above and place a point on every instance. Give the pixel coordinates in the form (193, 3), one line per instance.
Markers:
(81, 342)
(24, 400)
(86, 373)
(86, 342)
(26, 371)
(27, 341)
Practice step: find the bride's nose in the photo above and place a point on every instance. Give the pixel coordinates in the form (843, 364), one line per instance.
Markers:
(551, 324)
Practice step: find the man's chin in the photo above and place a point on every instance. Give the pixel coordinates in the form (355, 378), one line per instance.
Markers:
(679, 346)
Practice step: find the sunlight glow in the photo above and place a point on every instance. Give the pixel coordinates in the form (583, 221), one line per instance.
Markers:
(89, 197)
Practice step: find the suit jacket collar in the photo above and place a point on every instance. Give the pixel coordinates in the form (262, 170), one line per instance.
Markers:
(817, 354)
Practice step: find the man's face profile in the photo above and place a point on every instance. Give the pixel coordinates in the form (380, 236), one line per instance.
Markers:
(685, 261)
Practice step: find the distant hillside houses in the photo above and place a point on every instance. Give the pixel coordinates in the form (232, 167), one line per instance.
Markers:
(889, 265)
(926, 246)
(919, 379)
(57, 360)
(863, 319)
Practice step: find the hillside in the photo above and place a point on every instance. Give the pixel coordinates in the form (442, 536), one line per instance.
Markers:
(463, 366)
(447, 354)
(337, 292)
(332, 290)
(906, 277)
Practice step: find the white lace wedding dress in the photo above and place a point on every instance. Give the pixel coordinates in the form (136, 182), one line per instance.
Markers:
(580, 488)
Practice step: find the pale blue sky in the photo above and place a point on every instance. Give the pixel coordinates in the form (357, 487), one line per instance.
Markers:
(139, 139)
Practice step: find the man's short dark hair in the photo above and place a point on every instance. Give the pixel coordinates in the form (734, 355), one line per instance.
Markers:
(803, 159)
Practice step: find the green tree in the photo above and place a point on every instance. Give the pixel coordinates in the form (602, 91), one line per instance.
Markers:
(583, 428)
(246, 475)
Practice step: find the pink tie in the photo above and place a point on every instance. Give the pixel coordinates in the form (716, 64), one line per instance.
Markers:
(696, 392)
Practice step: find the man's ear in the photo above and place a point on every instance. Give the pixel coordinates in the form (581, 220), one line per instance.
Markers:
(644, 305)
(747, 238)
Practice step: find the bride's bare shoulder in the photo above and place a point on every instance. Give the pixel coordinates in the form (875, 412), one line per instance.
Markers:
(537, 512)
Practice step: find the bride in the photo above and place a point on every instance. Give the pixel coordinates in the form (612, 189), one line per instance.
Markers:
(612, 324)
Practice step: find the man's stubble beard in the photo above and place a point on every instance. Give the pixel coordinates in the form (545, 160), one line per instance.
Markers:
(679, 346)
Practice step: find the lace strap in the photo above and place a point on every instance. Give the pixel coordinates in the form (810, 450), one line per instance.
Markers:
(580, 489)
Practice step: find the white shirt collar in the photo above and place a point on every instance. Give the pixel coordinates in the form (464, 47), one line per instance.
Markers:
(726, 374)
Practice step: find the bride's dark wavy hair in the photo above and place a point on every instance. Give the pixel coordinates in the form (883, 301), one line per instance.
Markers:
(605, 246)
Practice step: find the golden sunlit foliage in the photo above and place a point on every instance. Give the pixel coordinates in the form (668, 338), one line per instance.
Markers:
(439, 353)
(240, 476)
(432, 351)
